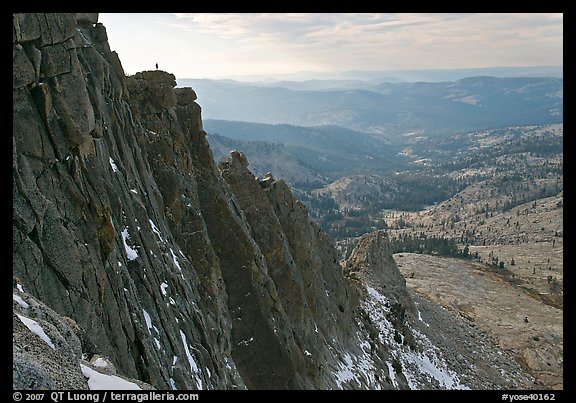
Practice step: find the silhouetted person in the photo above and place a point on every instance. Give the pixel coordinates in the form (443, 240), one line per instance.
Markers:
(156, 66)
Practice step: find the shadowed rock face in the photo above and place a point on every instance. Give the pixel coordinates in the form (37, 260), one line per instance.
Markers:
(183, 274)
(92, 229)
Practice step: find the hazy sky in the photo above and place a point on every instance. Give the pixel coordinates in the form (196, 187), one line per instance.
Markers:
(213, 45)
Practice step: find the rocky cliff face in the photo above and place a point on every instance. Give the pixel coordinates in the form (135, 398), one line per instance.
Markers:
(184, 275)
(138, 261)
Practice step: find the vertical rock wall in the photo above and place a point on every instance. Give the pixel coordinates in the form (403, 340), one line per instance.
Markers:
(184, 274)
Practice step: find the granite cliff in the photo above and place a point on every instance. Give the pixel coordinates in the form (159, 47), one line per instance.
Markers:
(135, 257)
(183, 274)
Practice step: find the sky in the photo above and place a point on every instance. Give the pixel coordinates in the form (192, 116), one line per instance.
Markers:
(219, 45)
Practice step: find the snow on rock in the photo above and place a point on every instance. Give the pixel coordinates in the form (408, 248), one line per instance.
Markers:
(173, 384)
(163, 287)
(420, 317)
(148, 320)
(177, 264)
(20, 301)
(425, 366)
(191, 360)
(130, 252)
(379, 298)
(36, 329)
(429, 364)
(113, 165)
(358, 368)
(175, 260)
(155, 229)
(377, 306)
(98, 381)
(346, 371)
(421, 369)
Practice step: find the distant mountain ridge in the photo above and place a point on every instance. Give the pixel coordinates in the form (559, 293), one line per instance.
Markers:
(409, 75)
(391, 109)
(330, 151)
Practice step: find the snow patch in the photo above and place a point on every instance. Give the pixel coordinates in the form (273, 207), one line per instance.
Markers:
(98, 381)
(429, 363)
(35, 328)
(419, 368)
(191, 361)
(420, 318)
(19, 287)
(163, 287)
(20, 301)
(148, 320)
(376, 295)
(434, 369)
(175, 260)
(113, 165)
(345, 372)
(130, 252)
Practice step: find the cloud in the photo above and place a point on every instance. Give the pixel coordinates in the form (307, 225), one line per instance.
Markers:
(334, 33)
(279, 42)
